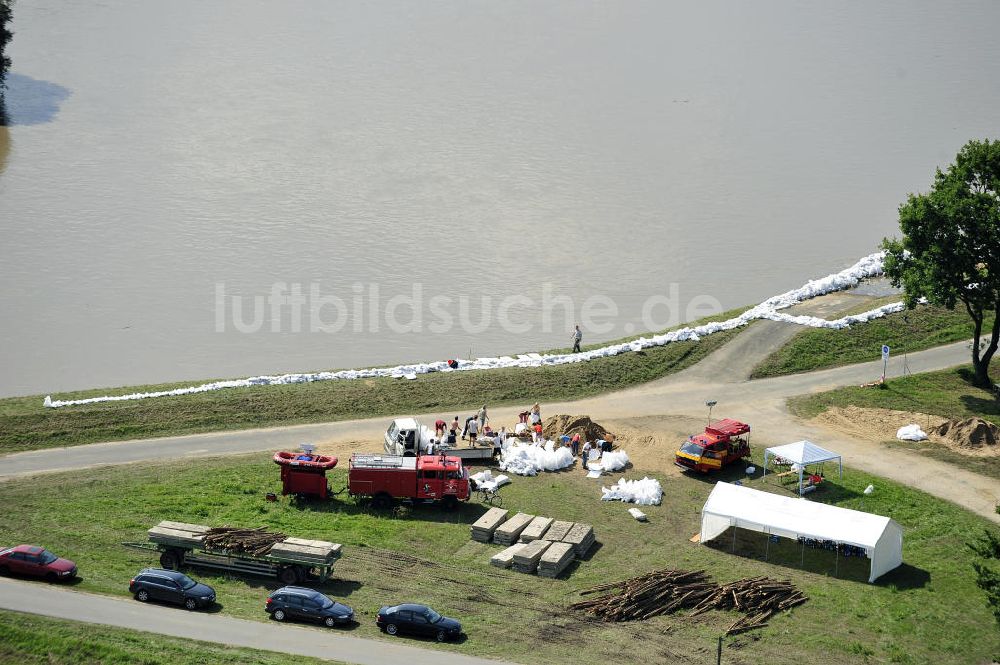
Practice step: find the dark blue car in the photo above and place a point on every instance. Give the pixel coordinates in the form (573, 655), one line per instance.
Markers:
(417, 620)
(295, 602)
(172, 587)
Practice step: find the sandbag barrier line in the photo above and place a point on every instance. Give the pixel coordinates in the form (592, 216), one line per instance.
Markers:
(867, 267)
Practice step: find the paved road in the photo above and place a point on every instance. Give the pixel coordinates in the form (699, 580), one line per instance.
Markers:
(721, 377)
(45, 599)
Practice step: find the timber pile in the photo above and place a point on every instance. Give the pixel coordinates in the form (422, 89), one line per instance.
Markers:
(759, 598)
(536, 529)
(581, 537)
(555, 560)
(482, 530)
(257, 542)
(526, 559)
(508, 532)
(666, 591)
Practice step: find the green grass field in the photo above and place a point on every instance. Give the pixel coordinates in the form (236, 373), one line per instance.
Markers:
(949, 393)
(912, 330)
(927, 611)
(27, 639)
(26, 425)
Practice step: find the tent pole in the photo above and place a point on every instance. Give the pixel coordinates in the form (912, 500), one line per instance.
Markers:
(734, 539)
(836, 561)
(802, 559)
(767, 545)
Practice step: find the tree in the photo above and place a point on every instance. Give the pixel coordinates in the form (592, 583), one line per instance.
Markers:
(987, 547)
(6, 15)
(950, 250)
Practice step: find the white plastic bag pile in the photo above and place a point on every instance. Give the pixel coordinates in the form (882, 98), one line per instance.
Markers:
(911, 433)
(525, 459)
(488, 481)
(868, 266)
(616, 460)
(645, 492)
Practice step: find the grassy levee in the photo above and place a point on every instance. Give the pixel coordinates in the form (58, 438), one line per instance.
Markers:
(948, 393)
(927, 611)
(911, 330)
(26, 425)
(27, 639)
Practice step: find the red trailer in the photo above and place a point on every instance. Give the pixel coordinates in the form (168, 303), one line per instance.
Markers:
(304, 474)
(429, 478)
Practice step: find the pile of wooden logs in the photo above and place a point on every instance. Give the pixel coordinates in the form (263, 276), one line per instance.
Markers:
(666, 591)
(242, 541)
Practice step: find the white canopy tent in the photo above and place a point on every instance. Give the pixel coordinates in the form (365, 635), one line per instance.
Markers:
(734, 506)
(802, 453)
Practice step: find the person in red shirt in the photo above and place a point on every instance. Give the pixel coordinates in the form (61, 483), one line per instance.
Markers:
(440, 427)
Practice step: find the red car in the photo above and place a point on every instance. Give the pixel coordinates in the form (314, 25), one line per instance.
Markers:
(37, 561)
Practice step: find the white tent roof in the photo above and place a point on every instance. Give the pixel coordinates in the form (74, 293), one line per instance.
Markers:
(732, 505)
(802, 452)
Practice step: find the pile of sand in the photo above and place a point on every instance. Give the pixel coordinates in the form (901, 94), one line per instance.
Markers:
(974, 433)
(588, 430)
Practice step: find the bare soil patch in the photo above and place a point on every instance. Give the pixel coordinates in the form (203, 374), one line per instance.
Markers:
(974, 437)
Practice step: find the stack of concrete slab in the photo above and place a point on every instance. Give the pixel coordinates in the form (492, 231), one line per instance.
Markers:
(536, 529)
(178, 534)
(558, 530)
(505, 558)
(526, 559)
(555, 559)
(581, 537)
(508, 532)
(307, 551)
(482, 530)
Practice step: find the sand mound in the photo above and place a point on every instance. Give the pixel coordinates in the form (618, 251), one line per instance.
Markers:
(588, 430)
(970, 433)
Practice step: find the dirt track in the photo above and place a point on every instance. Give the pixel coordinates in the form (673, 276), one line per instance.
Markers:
(651, 417)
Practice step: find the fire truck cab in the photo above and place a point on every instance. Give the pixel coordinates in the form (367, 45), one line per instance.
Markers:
(723, 442)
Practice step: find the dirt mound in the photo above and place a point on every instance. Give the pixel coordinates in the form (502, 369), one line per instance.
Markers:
(970, 433)
(588, 430)
(875, 424)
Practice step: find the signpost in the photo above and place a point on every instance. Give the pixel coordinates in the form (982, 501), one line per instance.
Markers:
(885, 360)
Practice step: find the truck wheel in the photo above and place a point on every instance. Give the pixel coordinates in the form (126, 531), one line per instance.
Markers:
(449, 503)
(170, 560)
(289, 575)
(381, 501)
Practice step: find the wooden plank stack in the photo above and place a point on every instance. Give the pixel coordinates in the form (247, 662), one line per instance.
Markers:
(178, 534)
(306, 551)
(482, 530)
(558, 530)
(505, 558)
(555, 559)
(581, 537)
(666, 591)
(508, 532)
(526, 559)
(256, 542)
(536, 529)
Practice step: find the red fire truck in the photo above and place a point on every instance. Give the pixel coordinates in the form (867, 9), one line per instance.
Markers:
(722, 443)
(427, 478)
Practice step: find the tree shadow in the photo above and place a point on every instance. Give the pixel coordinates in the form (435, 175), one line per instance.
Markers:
(30, 101)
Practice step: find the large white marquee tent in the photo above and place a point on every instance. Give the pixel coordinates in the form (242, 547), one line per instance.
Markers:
(734, 506)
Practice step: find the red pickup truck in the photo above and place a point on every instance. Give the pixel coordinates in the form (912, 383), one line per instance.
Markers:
(428, 478)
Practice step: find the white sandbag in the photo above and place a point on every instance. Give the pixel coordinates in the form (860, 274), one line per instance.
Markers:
(527, 459)
(911, 433)
(645, 492)
(615, 460)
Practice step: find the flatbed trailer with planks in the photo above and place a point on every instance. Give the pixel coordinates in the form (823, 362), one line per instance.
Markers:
(291, 560)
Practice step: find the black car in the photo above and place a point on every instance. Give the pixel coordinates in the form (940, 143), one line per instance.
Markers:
(419, 620)
(295, 602)
(172, 587)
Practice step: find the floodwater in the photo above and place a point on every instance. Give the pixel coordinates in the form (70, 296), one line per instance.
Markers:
(164, 157)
